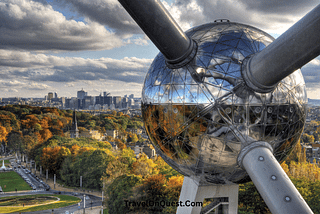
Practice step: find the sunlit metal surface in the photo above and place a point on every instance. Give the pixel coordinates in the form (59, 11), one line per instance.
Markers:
(200, 116)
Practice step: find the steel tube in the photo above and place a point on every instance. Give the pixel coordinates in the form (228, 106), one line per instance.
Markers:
(293, 49)
(272, 182)
(161, 28)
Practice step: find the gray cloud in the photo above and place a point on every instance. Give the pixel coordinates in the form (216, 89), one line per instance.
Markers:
(285, 7)
(106, 12)
(271, 15)
(311, 73)
(40, 67)
(31, 25)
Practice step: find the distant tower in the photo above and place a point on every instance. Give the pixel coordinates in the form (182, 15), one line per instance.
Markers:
(74, 132)
(50, 95)
(81, 94)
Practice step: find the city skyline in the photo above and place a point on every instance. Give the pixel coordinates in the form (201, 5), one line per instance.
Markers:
(63, 46)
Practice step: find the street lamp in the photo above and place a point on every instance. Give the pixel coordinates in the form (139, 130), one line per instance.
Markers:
(84, 203)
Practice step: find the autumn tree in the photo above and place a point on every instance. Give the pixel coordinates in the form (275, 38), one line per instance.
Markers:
(144, 166)
(52, 157)
(14, 140)
(3, 133)
(121, 190)
(29, 143)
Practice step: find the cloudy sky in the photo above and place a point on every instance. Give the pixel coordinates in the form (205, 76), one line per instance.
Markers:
(65, 45)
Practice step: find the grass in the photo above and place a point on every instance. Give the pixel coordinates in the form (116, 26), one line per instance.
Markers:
(12, 181)
(65, 200)
(26, 200)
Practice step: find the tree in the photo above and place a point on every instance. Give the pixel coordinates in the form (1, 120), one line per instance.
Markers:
(308, 138)
(120, 191)
(14, 140)
(52, 157)
(45, 134)
(295, 154)
(3, 133)
(144, 166)
(93, 172)
(164, 168)
(29, 143)
(250, 200)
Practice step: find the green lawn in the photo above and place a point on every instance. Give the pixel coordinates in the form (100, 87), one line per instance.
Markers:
(65, 200)
(12, 181)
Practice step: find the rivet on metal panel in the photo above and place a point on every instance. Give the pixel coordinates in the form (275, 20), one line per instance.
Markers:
(287, 199)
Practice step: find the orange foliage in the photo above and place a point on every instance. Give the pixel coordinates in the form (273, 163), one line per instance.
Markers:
(155, 182)
(3, 133)
(302, 170)
(52, 158)
(75, 150)
(174, 186)
(175, 181)
(45, 134)
(155, 186)
(45, 122)
(86, 149)
(144, 166)
(121, 145)
(60, 124)
(30, 121)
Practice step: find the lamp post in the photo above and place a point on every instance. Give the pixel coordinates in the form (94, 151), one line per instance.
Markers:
(84, 203)
(54, 181)
(81, 182)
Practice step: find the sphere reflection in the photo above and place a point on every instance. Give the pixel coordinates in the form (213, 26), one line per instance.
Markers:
(199, 117)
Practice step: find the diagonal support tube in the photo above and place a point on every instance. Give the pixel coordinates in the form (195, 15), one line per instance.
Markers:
(292, 50)
(161, 28)
(273, 184)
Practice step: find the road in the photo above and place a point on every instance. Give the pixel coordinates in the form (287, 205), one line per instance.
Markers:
(91, 201)
(39, 187)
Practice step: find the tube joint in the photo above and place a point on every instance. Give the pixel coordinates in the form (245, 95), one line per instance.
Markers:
(249, 79)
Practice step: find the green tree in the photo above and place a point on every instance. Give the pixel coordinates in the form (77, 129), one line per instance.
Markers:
(14, 140)
(93, 168)
(120, 191)
(250, 200)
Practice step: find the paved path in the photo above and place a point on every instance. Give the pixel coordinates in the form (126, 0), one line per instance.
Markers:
(91, 200)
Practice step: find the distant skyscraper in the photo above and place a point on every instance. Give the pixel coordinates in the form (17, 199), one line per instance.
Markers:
(74, 132)
(55, 95)
(117, 101)
(50, 95)
(87, 101)
(124, 102)
(99, 100)
(108, 100)
(81, 94)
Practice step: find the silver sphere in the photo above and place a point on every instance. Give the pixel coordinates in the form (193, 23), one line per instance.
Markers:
(199, 117)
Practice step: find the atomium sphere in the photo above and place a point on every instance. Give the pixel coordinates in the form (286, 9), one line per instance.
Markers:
(199, 117)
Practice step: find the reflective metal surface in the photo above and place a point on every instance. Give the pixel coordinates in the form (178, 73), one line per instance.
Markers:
(200, 116)
(293, 49)
(157, 23)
